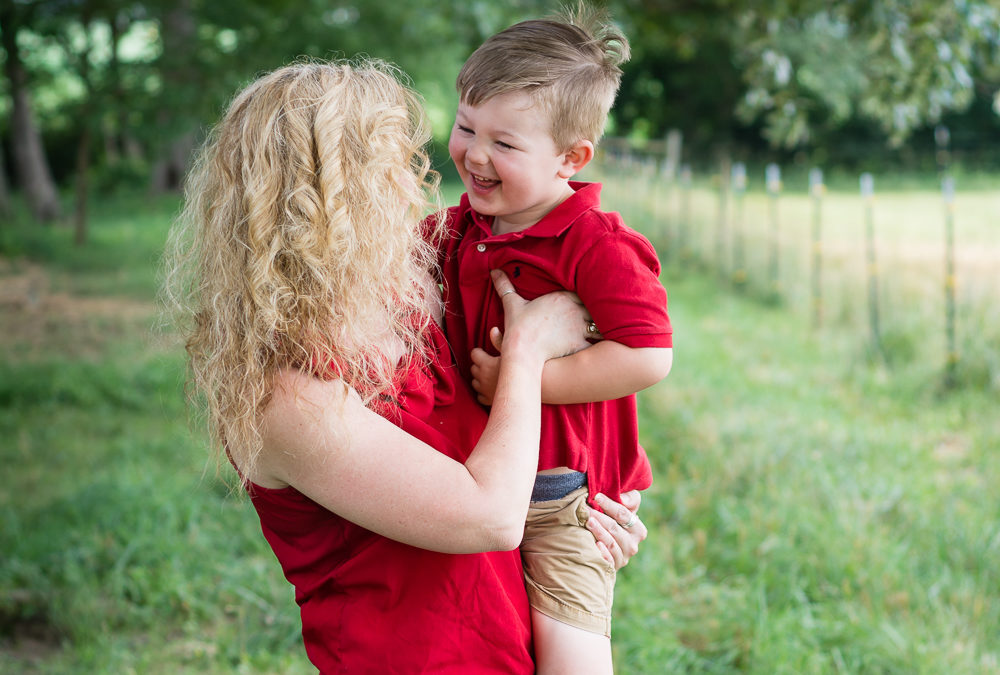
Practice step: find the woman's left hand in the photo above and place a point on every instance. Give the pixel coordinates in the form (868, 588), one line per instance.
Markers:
(618, 530)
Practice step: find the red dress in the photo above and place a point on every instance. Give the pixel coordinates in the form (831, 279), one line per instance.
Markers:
(373, 605)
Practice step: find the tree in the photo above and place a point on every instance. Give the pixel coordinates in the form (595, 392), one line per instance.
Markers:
(900, 63)
(79, 58)
(31, 165)
(4, 190)
(682, 74)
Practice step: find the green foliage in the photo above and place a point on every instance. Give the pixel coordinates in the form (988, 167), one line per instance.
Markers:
(901, 64)
(834, 79)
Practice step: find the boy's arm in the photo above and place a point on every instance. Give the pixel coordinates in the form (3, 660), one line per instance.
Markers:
(602, 372)
(632, 309)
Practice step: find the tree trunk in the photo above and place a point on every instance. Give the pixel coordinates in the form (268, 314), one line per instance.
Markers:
(83, 145)
(31, 165)
(169, 171)
(4, 190)
(179, 76)
(82, 187)
(113, 138)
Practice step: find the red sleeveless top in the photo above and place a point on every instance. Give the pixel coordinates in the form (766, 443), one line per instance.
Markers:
(373, 605)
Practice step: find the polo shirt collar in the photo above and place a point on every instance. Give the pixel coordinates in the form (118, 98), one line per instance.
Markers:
(586, 196)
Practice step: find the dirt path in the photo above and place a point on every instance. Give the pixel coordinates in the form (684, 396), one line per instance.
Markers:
(36, 321)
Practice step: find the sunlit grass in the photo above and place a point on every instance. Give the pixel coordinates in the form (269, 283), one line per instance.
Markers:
(693, 228)
(806, 517)
(812, 511)
(122, 552)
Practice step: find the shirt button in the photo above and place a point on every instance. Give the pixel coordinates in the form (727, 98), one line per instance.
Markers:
(481, 247)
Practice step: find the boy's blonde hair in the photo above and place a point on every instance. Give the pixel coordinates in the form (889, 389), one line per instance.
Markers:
(301, 241)
(568, 64)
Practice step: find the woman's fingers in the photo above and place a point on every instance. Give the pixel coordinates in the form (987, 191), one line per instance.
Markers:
(631, 500)
(605, 541)
(616, 545)
(619, 527)
(503, 285)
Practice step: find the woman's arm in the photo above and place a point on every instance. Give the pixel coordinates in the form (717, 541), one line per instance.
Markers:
(321, 439)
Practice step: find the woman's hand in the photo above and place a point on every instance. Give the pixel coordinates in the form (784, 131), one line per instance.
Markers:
(556, 321)
(618, 530)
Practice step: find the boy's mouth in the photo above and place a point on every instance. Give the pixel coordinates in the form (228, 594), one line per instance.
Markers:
(484, 183)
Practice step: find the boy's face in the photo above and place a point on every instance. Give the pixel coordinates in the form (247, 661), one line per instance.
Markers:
(510, 165)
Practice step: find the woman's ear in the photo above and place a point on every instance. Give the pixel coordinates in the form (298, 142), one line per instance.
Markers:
(577, 157)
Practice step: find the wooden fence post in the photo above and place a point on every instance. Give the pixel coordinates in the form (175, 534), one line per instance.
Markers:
(816, 189)
(867, 183)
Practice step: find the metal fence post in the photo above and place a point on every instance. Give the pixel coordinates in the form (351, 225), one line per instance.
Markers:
(739, 182)
(868, 195)
(772, 175)
(816, 190)
(684, 221)
(722, 222)
(948, 190)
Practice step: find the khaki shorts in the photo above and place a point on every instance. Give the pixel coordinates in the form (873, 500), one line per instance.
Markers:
(566, 577)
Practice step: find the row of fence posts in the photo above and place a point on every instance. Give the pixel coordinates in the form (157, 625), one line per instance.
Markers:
(732, 185)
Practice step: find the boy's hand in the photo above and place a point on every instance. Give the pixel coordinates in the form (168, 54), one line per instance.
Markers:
(485, 371)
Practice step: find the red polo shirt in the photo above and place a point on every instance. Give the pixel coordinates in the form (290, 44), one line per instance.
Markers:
(613, 269)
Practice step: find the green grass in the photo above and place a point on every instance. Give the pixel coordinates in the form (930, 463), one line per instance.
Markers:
(910, 261)
(812, 512)
(122, 552)
(121, 256)
(810, 515)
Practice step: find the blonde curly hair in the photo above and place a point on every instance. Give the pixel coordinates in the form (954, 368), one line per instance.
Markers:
(302, 244)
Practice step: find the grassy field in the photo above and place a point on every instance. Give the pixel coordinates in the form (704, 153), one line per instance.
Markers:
(908, 227)
(813, 512)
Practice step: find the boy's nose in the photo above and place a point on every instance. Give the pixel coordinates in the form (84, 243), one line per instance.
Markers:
(476, 154)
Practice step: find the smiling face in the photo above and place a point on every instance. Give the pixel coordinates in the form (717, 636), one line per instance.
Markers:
(510, 165)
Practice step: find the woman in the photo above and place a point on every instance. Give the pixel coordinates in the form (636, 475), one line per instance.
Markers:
(390, 500)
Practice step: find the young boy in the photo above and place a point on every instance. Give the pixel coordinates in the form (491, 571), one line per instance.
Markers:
(534, 99)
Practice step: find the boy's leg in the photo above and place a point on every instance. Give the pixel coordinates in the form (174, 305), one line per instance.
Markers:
(561, 649)
(570, 587)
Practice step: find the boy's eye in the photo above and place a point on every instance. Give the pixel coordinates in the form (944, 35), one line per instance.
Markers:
(464, 130)
(505, 146)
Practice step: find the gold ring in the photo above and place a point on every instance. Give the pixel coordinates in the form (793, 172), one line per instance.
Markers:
(591, 328)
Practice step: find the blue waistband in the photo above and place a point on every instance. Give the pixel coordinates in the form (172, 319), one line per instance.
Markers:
(557, 485)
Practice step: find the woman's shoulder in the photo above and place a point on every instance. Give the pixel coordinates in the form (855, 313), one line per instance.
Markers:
(301, 410)
(296, 393)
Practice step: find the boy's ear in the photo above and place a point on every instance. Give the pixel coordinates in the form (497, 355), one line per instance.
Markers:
(577, 157)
